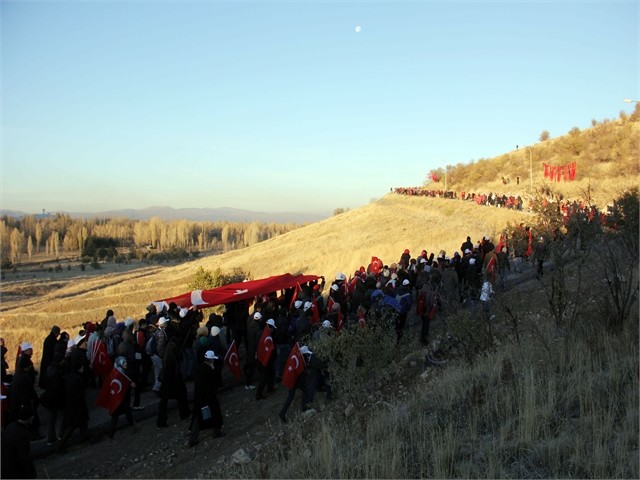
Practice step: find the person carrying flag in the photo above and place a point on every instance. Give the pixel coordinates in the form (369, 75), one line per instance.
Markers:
(296, 377)
(206, 408)
(266, 355)
(116, 393)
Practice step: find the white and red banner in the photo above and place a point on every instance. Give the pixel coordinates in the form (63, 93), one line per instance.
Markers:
(232, 362)
(234, 292)
(113, 390)
(265, 346)
(293, 368)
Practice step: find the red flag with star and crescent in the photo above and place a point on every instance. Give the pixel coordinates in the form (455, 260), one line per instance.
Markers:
(100, 361)
(293, 368)
(265, 346)
(231, 361)
(113, 390)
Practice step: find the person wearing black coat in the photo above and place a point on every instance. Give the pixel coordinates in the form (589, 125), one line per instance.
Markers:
(76, 413)
(16, 449)
(53, 398)
(302, 383)
(173, 385)
(47, 354)
(206, 408)
(23, 393)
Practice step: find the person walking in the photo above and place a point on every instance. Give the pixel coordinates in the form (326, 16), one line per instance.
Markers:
(173, 385)
(124, 408)
(47, 354)
(206, 408)
(16, 449)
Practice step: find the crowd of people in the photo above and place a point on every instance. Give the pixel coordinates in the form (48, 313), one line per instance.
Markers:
(491, 199)
(165, 349)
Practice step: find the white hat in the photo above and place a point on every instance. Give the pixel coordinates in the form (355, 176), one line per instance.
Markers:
(334, 287)
(257, 316)
(472, 261)
(183, 312)
(340, 276)
(25, 346)
(210, 354)
(326, 324)
(406, 282)
(307, 306)
(305, 350)
(467, 251)
(297, 303)
(271, 322)
(128, 322)
(163, 320)
(215, 331)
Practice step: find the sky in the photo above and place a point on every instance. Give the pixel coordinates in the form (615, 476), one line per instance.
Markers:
(290, 106)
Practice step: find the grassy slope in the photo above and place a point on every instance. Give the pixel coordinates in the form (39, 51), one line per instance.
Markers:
(341, 243)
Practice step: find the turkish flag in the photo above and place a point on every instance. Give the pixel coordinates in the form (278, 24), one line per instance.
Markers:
(231, 361)
(295, 295)
(265, 346)
(100, 360)
(113, 390)
(293, 368)
(314, 308)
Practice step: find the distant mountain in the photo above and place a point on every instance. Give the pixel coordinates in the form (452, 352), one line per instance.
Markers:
(194, 214)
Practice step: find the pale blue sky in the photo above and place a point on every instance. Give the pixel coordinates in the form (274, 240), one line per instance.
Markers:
(283, 106)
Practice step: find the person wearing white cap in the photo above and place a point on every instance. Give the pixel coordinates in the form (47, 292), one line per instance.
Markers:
(268, 371)
(156, 351)
(302, 382)
(254, 330)
(403, 297)
(23, 391)
(206, 408)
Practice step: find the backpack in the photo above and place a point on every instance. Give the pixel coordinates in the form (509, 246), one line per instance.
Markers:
(405, 303)
(150, 346)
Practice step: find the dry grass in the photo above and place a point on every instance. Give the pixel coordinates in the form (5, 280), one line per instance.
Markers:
(341, 243)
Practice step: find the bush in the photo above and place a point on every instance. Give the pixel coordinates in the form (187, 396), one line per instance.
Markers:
(359, 357)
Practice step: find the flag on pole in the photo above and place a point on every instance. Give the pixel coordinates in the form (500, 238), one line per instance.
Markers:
(100, 361)
(295, 295)
(231, 361)
(293, 368)
(265, 346)
(113, 390)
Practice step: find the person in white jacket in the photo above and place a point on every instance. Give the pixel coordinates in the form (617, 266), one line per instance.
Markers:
(486, 295)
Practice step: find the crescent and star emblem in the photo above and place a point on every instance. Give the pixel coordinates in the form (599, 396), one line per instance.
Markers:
(266, 340)
(100, 358)
(117, 382)
(233, 359)
(295, 357)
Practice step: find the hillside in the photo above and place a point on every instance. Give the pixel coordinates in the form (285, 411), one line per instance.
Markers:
(341, 243)
(606, 156)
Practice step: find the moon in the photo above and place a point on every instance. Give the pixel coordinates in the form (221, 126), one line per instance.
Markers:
(358, 28)
(268, 339)
(295, 357)
(117, 382)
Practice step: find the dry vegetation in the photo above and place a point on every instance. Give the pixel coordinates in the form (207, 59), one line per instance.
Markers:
(547, 397)
(341, 243)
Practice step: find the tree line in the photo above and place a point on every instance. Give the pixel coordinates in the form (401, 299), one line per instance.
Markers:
(58, 233)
